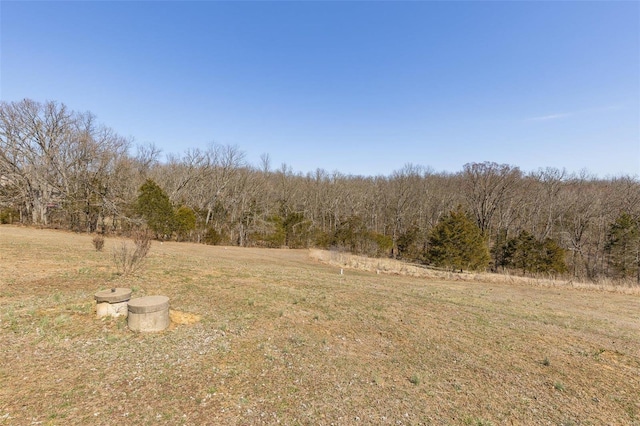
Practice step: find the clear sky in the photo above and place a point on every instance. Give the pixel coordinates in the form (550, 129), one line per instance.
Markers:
(358, 87)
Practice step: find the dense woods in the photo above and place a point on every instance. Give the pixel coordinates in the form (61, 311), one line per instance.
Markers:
(60, 168)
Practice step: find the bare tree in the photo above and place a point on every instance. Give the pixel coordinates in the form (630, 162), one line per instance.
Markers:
(403, 200)
(147, 157)
(33, 140)
(486, 186)
(57, 161)
(222, 164)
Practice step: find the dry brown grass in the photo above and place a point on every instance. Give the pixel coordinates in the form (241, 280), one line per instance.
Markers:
(395, 267)
(273, 336)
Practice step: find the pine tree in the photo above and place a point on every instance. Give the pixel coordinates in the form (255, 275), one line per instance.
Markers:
(552, 257)
(457, 243)
(623, 246)
(525, 256)
(528, 254)
(154, 206)
(502, 251)
(185, 222)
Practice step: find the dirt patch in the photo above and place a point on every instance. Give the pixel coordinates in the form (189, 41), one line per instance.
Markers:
(182, 318)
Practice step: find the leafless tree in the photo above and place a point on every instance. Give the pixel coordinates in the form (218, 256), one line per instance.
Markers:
(221, 166)
(486, 186)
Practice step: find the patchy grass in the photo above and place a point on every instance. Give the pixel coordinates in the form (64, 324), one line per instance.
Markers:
(273, 336)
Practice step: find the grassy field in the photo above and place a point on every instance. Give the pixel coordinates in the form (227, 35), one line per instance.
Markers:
(277, 337)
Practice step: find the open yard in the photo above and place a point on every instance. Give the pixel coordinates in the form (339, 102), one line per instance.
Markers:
(277, 337)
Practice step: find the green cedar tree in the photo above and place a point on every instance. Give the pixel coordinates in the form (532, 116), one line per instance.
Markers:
(457, 243)
(154, 206)
(623, 246)
(185, 221)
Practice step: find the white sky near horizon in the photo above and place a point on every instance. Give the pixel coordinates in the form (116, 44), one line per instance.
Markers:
(358, 87)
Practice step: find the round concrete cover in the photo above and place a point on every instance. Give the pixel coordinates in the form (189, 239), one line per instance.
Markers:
(110, 296)
(143, 305)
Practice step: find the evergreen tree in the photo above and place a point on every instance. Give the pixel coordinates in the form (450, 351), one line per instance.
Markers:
(410, 244)
(528, 254)
(502, 251)
(278, 237)
(185, 222)
(457, 243)
(552, 257)
(349, 234)
(623, 246)
(154, 206)
(524, 252)
(290, 229)
(296, 230)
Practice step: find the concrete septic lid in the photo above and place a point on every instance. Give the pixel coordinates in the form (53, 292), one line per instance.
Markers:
(114, 295)
(144, 305)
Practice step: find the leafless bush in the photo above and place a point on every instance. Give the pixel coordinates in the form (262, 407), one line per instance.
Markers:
(129, 259)
(98, 242)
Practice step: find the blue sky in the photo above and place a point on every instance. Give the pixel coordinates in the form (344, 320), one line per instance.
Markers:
(358, 87)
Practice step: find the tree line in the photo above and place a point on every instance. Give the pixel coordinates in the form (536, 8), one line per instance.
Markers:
(60, 168)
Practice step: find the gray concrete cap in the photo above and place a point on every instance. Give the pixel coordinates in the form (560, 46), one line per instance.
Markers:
(143, 305)
(110, 296)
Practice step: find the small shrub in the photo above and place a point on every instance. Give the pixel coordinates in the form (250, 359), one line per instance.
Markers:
(415, 379)
(129, 260)
(98, 242)
(212, 237)
(8, 216)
